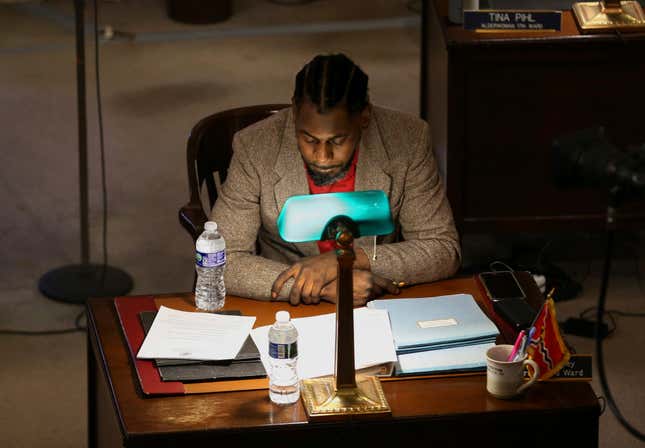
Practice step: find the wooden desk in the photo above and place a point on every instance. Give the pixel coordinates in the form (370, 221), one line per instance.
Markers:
(433, 412)
(496, 101)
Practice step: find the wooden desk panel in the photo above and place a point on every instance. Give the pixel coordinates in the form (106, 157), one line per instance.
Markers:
(447, 410)
(496, 101)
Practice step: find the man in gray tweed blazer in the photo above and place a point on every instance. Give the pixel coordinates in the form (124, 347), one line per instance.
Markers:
(330, 138)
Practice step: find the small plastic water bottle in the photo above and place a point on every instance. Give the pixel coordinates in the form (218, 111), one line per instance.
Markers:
(284, 387)
(210, 260)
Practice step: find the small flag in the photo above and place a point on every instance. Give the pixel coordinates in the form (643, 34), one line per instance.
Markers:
(546, 347)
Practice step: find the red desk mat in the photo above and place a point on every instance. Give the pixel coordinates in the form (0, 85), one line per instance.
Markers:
(128, 309)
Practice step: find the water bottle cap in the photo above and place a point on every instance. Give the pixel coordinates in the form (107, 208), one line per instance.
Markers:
(282, 316)
(211, 226)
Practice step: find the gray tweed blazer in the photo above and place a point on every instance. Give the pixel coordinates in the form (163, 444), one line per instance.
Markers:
(266, 169)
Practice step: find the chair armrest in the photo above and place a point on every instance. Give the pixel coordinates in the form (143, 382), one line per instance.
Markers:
(192, 217)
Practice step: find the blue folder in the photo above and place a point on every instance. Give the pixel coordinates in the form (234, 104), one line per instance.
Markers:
(469, 358)
(433, 323)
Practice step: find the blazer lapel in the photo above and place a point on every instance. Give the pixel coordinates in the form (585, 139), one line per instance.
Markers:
(291, 176)
(372, 170)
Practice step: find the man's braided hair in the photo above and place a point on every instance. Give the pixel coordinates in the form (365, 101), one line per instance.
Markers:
(331, 80)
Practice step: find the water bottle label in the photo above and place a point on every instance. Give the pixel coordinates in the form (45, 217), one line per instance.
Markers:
(283, 351)
(214, 260)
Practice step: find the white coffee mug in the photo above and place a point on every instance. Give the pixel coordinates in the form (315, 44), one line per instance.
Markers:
(505, 379)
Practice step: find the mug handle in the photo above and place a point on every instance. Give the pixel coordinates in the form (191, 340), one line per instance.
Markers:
(534, 377)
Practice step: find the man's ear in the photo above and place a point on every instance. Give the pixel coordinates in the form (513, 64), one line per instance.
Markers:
(366, 114)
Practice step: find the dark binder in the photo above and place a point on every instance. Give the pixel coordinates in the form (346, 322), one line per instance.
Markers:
(247, 363)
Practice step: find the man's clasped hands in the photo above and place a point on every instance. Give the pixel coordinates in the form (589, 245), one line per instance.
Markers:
(315, 280)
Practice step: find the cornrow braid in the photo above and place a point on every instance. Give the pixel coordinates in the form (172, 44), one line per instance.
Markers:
(323, 84)
(349, 83)
(331, 80)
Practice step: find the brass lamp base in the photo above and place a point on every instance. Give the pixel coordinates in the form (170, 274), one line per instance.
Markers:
(323, 401)
(594, 17)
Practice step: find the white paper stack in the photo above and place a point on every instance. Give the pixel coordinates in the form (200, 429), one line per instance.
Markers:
(187, 335)
(373, 342)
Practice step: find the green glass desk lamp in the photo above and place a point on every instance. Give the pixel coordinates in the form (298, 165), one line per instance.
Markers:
(343, 217)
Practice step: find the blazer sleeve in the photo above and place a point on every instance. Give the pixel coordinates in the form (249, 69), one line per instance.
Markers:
(430, 248)
(237, 214)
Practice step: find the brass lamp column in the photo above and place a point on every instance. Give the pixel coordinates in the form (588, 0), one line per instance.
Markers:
(345, 393)
(609, 15)
(345, 375)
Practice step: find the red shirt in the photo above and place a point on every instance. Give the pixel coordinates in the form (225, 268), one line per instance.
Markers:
(342, 185)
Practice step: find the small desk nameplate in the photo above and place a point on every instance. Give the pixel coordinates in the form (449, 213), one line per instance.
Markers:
(512, 20)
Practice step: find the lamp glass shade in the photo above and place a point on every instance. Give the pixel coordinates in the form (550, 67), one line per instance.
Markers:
(305, 218)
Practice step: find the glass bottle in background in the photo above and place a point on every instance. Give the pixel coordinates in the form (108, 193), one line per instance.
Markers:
(456, 9)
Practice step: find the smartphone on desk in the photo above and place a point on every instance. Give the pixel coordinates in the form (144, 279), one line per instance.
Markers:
(508, 297)
(501, 285)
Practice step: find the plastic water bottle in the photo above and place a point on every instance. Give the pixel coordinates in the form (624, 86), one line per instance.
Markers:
(284, 387)
(456, 9)
(210, 259)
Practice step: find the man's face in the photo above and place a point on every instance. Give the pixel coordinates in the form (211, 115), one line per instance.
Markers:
(327, 141)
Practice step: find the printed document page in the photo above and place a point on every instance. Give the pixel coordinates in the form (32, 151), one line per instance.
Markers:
(373, 342)
(187, 335)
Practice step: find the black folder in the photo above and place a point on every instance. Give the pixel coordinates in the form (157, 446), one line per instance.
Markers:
(247, 363)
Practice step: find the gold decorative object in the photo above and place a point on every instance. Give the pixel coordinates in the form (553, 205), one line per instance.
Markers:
(344, 394)
(323, 400)
(607, 16)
